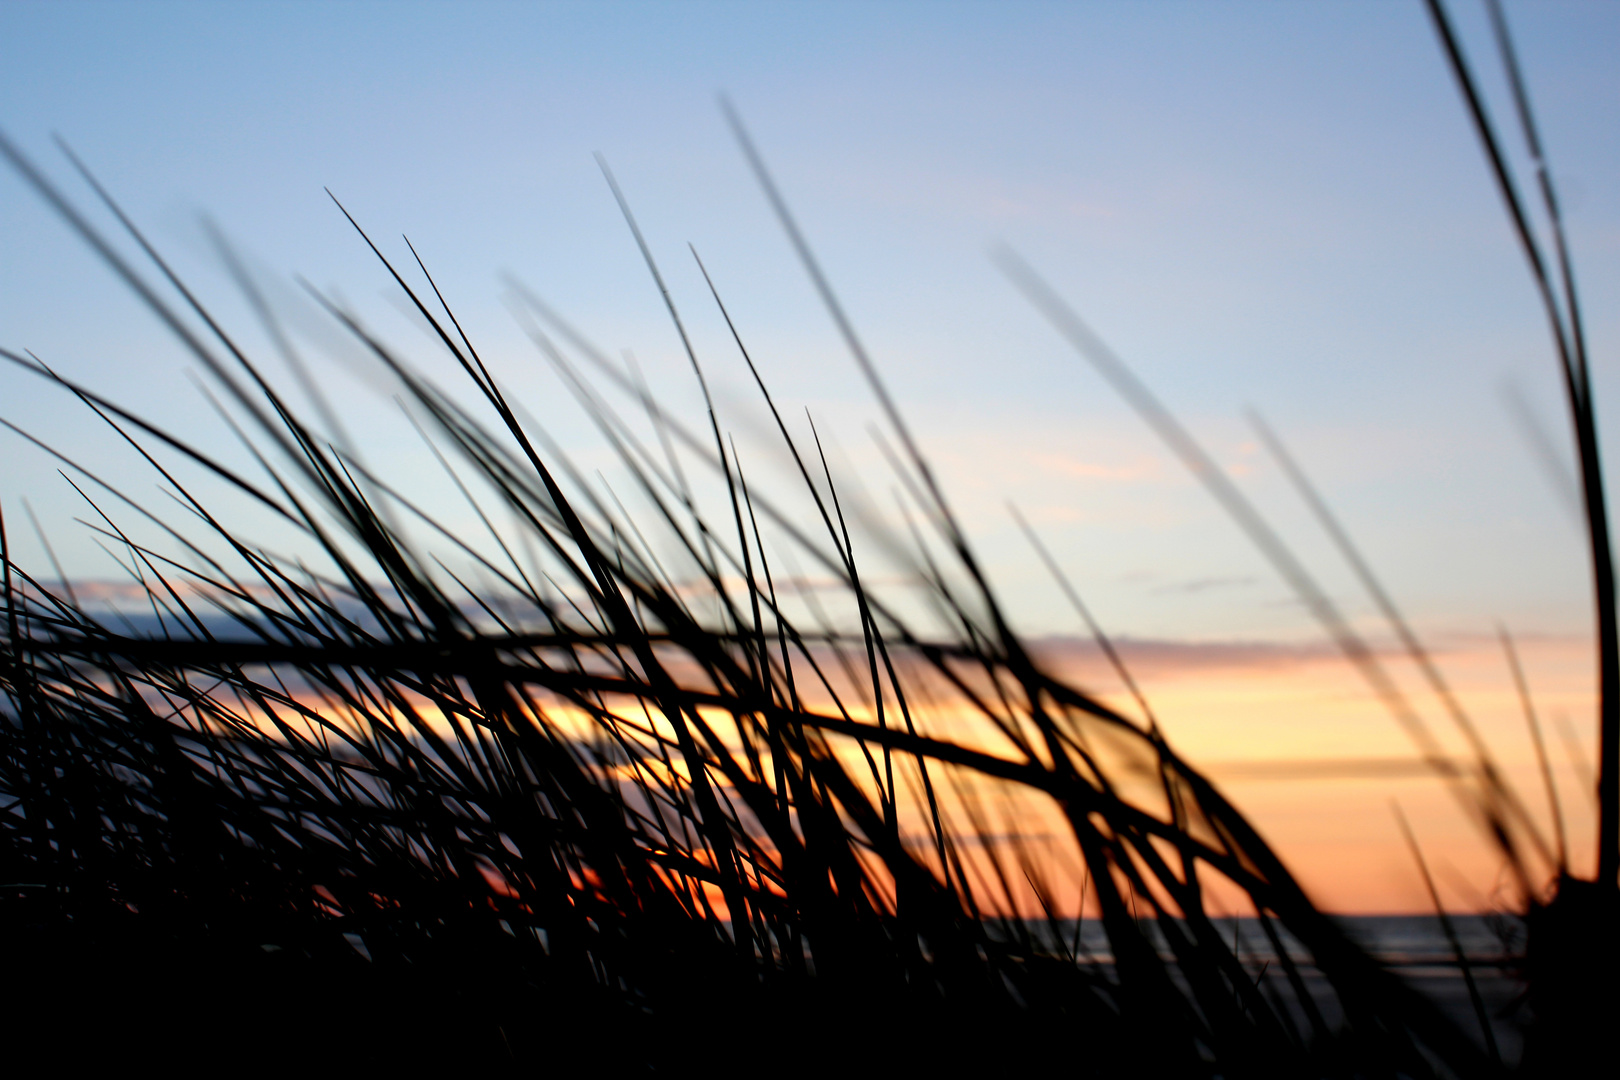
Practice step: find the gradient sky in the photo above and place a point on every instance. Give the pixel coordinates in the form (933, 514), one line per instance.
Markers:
(1276, 205)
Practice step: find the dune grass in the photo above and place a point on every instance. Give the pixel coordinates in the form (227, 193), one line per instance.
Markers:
(549, 798)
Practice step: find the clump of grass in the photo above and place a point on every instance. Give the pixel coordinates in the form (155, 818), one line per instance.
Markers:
(1574, 929)
(360, 806)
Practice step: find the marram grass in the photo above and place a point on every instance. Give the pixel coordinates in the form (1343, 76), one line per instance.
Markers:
(401, 799)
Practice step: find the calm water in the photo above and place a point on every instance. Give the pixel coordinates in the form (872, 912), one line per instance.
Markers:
(1405, 941)
(1414, 945)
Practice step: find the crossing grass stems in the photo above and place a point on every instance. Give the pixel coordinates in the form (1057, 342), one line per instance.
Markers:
(352, 806)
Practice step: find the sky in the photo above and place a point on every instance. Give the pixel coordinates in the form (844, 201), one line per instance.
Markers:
(1258, 205)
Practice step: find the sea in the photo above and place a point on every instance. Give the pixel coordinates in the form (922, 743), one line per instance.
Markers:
(1415, 946)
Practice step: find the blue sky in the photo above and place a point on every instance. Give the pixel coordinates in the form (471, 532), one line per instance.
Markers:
(1257, 204)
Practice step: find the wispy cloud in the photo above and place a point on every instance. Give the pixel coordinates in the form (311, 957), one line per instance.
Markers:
(1205, 584)
(1171, 654)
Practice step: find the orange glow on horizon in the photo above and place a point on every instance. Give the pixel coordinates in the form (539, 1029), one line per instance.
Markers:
(1294, 740)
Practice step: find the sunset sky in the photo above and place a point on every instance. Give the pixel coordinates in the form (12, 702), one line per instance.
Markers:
(1266, 205)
